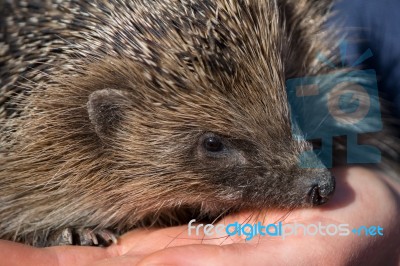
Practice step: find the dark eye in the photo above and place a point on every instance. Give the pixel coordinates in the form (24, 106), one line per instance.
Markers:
(213, 144)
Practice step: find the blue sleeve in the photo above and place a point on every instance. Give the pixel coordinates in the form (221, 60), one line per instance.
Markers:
(375, 25)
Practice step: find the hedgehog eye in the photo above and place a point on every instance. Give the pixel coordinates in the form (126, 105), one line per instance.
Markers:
(213, 144)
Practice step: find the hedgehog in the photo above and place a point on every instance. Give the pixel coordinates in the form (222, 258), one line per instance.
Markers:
(120, 114)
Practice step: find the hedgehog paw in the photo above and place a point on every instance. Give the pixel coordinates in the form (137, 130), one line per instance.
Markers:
(82, 237)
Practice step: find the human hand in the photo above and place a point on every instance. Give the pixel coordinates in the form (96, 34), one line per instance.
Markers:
(362, 198)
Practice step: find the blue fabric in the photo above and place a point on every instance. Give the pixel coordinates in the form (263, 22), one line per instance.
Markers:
(375, 25)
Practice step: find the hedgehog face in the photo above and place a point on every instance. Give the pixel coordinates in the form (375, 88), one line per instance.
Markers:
(201, 112)
(199, 145)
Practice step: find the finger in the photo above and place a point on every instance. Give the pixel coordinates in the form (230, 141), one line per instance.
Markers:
(77, 255)
(144, 242)
(268, 251)
(120, 261)
(17, 254)
(196, 255)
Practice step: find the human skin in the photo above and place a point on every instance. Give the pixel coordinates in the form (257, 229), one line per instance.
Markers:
(362, 197)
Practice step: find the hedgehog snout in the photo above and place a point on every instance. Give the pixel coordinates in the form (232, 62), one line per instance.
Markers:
(322, 190)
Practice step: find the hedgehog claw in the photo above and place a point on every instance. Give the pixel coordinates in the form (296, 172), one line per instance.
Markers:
(85, 237)
(61, 238)
(82, 237)
(107, 237)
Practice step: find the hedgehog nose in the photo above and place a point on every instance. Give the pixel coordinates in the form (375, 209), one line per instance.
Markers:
(322, 191)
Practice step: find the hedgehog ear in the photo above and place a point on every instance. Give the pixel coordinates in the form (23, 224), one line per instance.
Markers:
(105, 109)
